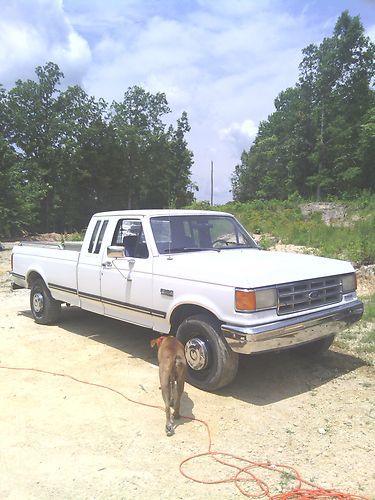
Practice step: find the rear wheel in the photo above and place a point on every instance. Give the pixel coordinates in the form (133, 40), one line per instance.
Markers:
(211, 362)
(45, 309)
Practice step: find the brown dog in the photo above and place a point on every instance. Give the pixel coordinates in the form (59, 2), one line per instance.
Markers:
(172, 374)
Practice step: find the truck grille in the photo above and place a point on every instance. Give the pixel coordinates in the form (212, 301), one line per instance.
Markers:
(308, 294)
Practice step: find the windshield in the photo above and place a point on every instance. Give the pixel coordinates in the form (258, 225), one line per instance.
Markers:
(187, 233)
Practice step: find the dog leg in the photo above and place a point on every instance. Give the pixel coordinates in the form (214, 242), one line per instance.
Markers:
(165, 390)
(179, 389)
(169, 427)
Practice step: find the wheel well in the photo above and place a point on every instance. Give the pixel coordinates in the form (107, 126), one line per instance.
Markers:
(33, 276)
(184, 311)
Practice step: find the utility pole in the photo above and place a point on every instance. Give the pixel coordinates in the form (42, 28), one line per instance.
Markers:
(212, 183)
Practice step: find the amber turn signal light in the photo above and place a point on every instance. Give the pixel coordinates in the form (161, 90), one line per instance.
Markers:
(245, 300)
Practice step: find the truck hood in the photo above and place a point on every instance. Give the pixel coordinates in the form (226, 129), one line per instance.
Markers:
(248, 268)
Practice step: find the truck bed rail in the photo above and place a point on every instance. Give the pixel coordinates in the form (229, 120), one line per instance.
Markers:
(68, 245)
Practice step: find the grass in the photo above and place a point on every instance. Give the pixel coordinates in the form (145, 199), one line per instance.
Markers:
(369, 314)
(368, 339)
(360, 338)
(286, 481)
(283, 221)
(77, 236)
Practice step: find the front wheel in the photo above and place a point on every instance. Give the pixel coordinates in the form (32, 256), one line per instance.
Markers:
(45, 309)
(211, 363)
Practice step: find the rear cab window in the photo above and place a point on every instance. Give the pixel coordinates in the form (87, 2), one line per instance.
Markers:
(100, 237)
(93, 236)
(97, 236)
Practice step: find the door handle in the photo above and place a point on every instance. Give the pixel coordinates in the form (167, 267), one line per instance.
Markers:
(107, 264)
(131, 265)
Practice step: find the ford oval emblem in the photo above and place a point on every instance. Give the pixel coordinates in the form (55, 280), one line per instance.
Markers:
(313, 295)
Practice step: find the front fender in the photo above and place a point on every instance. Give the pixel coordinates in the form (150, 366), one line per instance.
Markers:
(193, 301)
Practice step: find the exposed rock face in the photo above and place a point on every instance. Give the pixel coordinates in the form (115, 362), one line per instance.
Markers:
(332, 213)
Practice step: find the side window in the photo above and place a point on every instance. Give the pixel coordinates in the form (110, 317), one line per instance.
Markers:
(130, 235)
(93, 236)
(101, 235)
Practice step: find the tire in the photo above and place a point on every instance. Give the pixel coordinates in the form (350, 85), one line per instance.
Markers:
(45, 309)
(315, 349)
(211, 364)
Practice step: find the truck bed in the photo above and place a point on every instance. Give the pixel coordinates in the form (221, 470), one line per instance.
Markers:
(55, 262)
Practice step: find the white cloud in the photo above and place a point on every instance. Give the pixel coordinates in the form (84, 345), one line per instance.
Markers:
(222, 61)
(237, 132)
(37, 32)
(371, 32)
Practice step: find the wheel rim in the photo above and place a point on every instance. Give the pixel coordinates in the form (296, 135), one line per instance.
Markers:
(196, 354)
(38, 302)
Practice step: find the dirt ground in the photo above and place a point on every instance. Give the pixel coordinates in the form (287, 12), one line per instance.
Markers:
(62, 439)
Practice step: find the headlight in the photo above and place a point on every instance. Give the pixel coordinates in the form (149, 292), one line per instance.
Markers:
(255, 300)
(349, 283)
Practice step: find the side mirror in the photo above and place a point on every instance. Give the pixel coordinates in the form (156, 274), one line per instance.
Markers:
(116, 251)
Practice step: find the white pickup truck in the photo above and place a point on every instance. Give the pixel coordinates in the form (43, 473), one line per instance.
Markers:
(197, 275)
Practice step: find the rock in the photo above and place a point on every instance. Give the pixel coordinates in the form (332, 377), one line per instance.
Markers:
(2, 247)
(363, 272)
(330, 212)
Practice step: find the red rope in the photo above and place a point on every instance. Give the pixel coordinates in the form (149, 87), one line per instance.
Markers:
(244, 474)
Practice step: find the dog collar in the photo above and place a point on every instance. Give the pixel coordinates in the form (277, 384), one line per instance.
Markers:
(159, 340)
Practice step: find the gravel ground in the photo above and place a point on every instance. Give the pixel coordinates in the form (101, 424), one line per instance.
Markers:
(63, 439)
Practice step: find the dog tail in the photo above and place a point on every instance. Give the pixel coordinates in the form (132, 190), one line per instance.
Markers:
(179, 361)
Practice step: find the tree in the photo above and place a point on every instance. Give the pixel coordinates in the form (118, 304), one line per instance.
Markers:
(35, 132)
(310, 144)
(135, 121)
(65, 155)
(366, 150)
(341, 71)
(88, 155)
(154, 161)
(8, 197)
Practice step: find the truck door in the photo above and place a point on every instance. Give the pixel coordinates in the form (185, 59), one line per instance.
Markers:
(126, 283)
(89, 267)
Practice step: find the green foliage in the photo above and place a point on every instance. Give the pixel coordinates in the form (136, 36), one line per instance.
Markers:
(77, 236)
(65, 155)
(284, 221)
(201, 205)
(361, 337)
(320, 141)
(369, 314)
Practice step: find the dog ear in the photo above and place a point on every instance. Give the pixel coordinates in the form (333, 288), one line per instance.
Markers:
(153, 343)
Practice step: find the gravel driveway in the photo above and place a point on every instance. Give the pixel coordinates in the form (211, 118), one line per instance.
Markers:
(63, 439)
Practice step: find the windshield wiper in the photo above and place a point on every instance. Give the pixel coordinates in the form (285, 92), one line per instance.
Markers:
(190, 249)
(238, 246)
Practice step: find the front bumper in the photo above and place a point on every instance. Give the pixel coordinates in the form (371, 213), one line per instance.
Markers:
(293, 331)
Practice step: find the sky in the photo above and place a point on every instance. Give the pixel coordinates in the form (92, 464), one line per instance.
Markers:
(222, 61)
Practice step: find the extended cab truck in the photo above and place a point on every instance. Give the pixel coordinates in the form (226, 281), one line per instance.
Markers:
(197, 275)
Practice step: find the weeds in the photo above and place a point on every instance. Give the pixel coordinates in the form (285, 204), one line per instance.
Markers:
(286, 481)
(360, 338)
(353, 240)
(74, 236)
